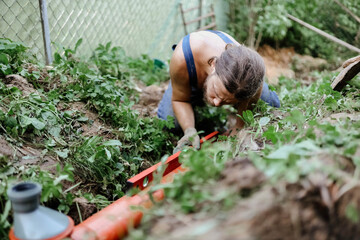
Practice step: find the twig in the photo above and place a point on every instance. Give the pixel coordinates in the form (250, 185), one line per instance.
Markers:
(1, 126)
(72, 187)
(78, 209)
(324, 34)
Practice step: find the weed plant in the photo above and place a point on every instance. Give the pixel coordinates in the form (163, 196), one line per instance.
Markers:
(94, 167)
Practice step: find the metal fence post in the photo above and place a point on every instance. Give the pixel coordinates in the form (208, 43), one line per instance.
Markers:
(45, 31)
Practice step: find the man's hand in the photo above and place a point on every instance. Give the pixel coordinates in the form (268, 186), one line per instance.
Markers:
(190, 138)
(231, 132)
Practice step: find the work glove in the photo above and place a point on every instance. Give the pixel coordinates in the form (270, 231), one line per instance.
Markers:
(190, 138)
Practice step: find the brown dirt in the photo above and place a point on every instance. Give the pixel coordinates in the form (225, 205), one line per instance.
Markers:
(94, 126)
(44, 76)
(241, 174)
(86, 209)
(245, 141)
(285, 62)
(21, 83)
(6, 149)
(313, 208)
(150, 97)
(338, 117)
(26, 155)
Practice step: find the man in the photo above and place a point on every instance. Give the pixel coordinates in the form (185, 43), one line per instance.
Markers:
(211, 65)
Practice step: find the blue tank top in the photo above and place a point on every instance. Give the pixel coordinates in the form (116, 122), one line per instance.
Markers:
(189, 58)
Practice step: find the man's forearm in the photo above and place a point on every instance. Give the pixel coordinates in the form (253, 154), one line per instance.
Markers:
(184, 114)
(241, 107)
(244, 105)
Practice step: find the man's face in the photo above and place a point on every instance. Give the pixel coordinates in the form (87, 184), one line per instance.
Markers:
(215, 92)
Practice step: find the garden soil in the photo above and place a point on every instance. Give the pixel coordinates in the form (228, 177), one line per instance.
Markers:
(286, 62)
(95, 126)
(313, 208)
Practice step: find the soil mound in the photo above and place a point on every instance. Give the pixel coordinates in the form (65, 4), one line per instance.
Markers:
(286, 62)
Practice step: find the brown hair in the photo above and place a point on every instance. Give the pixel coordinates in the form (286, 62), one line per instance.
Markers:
(241, 69)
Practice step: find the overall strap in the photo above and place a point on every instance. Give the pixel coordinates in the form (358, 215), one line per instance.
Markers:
(222, 35)
(189, 58)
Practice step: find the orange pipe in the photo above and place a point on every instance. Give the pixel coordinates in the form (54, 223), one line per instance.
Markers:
(172, 163)
(114, 221)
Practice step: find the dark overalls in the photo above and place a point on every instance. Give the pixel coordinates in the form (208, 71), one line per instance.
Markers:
(165, 107)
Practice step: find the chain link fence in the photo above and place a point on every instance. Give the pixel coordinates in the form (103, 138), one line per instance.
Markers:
(139, 26)
(20, 21)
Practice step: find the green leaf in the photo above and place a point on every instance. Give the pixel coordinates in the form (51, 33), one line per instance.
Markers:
(10, 122)
(92, 158)
(5, 69)
(55, 131)
(57, 57)
(68, 113)
(49, 117)
(37, 124)
(60, 178)
(25, 121)
(112, 143)
(304, 148)
(247, 117)
(296, 117)
(82, 119)
(264, 120)
(36, 97)
(62, 154)
(63, 78)
(4, 59)
(108, 154)
(351, 213)
(78, 44)
(45, 194)
(6, 211)
(271, 134)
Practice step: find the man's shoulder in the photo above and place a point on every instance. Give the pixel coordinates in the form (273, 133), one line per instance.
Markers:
(178, 68)
(177, 61)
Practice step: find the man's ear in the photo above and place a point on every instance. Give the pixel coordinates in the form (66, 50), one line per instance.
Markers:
(229, 45)
(212, 61)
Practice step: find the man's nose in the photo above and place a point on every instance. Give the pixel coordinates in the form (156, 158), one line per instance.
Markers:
(217, 102)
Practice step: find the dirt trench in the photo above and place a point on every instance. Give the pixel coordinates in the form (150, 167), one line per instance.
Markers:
(314, 208)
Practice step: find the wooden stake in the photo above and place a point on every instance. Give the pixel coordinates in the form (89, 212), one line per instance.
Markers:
(348, 11)
(324, 34)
